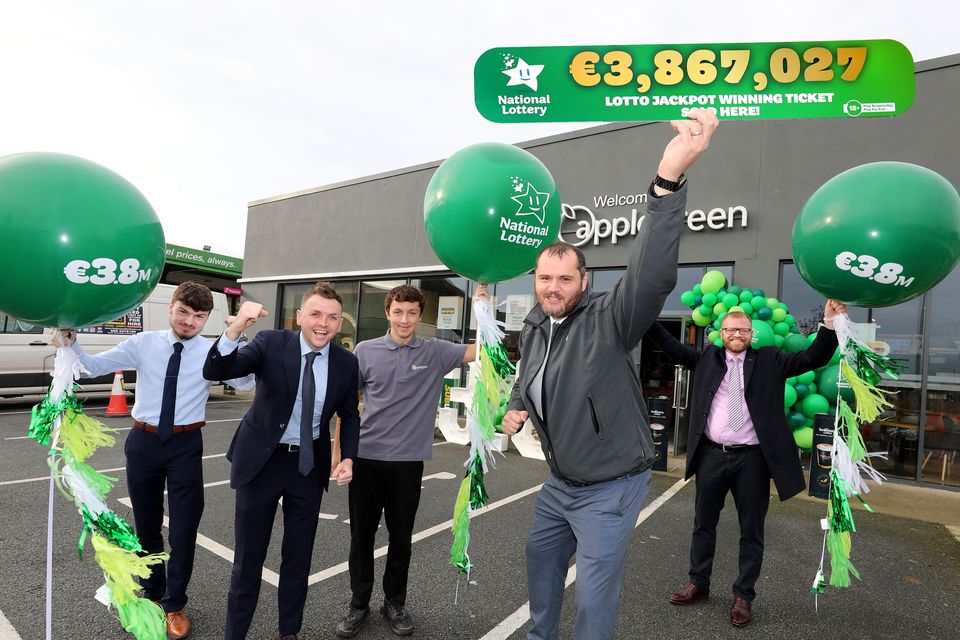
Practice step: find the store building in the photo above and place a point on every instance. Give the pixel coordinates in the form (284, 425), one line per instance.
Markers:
(367, 235)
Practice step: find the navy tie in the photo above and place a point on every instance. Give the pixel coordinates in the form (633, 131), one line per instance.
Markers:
(168, 405)
(308, 395)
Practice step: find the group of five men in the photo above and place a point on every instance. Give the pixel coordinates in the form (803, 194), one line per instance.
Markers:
(577, 384)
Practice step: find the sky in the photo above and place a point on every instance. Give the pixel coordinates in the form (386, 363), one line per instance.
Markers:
(206, 106)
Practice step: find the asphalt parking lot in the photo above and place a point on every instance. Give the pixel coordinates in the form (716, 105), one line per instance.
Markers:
(910, 568)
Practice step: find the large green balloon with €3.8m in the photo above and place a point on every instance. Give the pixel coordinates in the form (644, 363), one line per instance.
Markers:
(878, 234)
(82, 245)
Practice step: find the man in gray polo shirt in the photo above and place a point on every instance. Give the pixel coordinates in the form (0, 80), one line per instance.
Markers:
(400, 378)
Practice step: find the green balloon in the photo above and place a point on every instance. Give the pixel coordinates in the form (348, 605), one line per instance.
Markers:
(758, 302)
(720, 317)
(779, 315)
(699, 319)
(804, 438)
(488, 211)
(806, 377)
(836, 357)
(781, 328)
(705, 310)
(811, 338)
(813, 404)
(746, 296)
(709, 299)
(764, 312)
(813, 387)
(735, 290)
(878, 234)
(792, 380)
(730, 300)
(762, 334)
(696, 289)
(802, 390)
(81, 245)
(796, 420)
(789, 397)
(790, 320)
(718, 342)
(773, 303)
(713, 336)
(777, 341)
(687, 298)
(795, 342)
(747, 308)
(712, 281)
(736, 309)
(828, 386)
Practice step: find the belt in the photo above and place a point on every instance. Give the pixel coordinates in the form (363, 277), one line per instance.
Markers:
(730, 448)
(286, 447)
(571, 483)
(149, 428)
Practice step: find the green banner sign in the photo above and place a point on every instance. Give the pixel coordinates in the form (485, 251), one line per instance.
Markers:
(175, 254)
(755, 81)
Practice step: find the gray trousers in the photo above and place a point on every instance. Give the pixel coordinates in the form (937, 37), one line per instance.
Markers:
(594, 523)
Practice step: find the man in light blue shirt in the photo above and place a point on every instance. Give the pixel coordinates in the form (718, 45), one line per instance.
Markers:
(165, 448)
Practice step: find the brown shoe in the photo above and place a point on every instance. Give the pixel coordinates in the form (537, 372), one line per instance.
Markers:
(178, 624)
(740, 615)
(690, 594)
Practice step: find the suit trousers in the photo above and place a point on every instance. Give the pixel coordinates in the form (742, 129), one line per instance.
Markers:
(594, 523)
(256, 509)
(746, 476)
(177, 466)
(393, 490)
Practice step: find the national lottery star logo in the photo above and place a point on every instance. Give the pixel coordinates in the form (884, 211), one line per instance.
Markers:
(523, 229)
(520, 72)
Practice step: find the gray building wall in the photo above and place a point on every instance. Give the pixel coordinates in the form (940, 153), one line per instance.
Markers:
(373, 225)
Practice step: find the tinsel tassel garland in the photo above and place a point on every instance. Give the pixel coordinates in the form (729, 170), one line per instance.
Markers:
(71, 437)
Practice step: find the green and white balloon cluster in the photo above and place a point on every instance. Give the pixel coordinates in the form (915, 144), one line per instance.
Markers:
(804, 396)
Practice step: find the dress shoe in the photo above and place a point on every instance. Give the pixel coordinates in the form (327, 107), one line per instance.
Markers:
(690, 594)
(740, 615)
(178, 624)
(352, 621)
(400, 621)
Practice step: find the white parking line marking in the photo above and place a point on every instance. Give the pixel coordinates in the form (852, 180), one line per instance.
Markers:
(426, 533)
(7, 632)
(519, 617)
(270, 577)
(6, 482)
(443, 475)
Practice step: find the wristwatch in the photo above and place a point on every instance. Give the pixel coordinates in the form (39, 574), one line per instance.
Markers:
(669, 185)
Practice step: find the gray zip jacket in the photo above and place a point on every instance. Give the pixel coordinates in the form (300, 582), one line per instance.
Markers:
(595, 426)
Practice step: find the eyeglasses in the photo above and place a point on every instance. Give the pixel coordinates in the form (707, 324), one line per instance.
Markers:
(743, 332)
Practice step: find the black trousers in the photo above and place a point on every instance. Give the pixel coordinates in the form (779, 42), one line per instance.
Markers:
(177, 466)
(746, 476)
(256, 509)
(391, 489)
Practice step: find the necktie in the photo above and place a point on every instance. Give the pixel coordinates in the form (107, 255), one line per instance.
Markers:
(735, 396)
(308, 395)
(168, 404)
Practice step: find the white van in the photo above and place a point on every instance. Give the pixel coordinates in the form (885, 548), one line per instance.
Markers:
(26, 357)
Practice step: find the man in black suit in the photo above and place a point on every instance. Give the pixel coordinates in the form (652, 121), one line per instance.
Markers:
(738, 439)
(302, 380)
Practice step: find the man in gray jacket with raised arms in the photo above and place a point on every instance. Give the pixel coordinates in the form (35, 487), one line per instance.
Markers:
(579, 387)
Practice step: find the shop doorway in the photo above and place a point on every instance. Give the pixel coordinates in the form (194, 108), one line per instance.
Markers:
(667, 386)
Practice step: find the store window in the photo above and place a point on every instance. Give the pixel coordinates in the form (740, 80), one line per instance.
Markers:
(9, 324)
(446, 307)
(514, 301)
(941, 443)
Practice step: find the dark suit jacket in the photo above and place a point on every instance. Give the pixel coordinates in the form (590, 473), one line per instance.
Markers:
(765, 371)
(275, 357)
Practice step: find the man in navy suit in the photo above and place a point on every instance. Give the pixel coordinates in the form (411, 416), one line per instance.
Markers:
(738, 440)
(302, 380)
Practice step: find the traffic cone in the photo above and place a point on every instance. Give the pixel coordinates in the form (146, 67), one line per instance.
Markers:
(118, 399)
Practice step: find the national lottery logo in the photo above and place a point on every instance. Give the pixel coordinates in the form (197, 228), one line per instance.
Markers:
(519, 71)
(531, 205)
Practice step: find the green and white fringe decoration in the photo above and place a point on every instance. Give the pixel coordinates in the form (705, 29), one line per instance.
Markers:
(59, 423)
(491, 387)
(860, 370)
